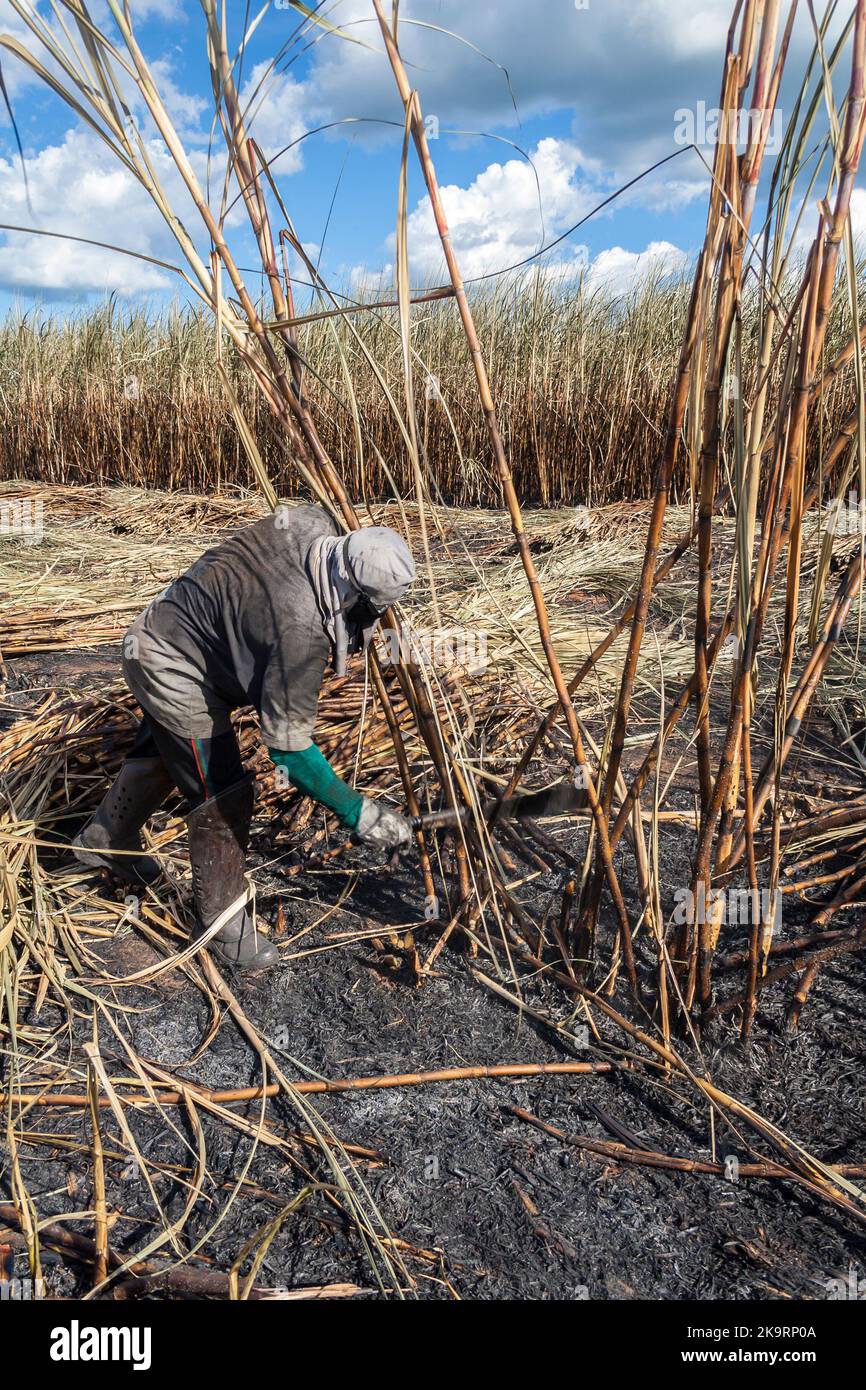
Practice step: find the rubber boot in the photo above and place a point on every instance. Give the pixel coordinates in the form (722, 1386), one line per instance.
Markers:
(219, 832)
(138, 790)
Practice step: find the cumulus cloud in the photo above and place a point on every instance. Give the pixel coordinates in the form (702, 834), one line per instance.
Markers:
(858, 213)
(189, 112)
(697, 30)
(366, 282)
(624, 67)
(278, 110)
(78, 187)
(808, 227)
(616, 271)
(621, 69)
(16, 75)
(508, 211)
(567, 57)
(154, 9)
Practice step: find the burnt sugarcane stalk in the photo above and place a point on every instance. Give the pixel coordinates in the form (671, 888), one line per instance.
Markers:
(682, 391)
(701, 947)
(743, 179)
(852, 149)
(850, 585)
(823, 268)
(412, 107)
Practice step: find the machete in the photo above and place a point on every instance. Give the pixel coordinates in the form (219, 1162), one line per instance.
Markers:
(562, 799)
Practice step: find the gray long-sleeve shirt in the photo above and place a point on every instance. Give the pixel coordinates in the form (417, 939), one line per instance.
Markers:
(241, 627)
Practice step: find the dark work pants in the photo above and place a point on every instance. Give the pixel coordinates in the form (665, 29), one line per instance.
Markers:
(200, 768)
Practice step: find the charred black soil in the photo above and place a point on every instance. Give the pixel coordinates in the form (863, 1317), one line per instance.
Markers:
(488, 1205)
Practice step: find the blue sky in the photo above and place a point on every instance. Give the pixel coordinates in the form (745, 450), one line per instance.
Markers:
(597, 91)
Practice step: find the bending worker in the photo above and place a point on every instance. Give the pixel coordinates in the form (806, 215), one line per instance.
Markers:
(253, 622)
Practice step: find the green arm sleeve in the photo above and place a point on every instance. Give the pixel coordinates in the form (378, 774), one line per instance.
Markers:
(312, 774)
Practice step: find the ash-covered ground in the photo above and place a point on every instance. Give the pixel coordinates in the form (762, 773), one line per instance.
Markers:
(488, 1206)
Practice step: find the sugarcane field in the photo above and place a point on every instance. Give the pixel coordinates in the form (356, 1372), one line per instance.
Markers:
(432, 670)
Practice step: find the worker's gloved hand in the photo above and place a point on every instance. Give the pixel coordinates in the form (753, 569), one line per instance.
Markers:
(381, 827)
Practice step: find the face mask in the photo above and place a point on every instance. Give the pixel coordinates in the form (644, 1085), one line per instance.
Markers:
(362, 612)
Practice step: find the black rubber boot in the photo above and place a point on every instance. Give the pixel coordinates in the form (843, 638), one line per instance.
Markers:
(138, 790)
(219, 832)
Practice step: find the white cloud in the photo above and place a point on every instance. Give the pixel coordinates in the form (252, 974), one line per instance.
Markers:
(554, 52)
(156, 9)
(616, 271)
(694, 30)
(187, 110)
(507, 212)
(16, 75)
(622, 68)
(365, 282)
(808, 226)
(661, 192)
(858, 213)
(278, 110)
(496, 222)
(79, 187)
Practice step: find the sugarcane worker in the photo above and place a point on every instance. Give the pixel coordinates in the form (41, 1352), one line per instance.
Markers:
(253, 622)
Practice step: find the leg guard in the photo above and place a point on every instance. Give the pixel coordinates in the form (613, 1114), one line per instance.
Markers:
(139, 789)
(219, 832)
